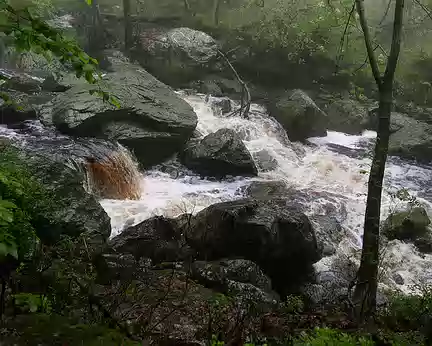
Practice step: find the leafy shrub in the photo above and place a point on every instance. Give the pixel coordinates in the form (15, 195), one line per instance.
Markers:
(19, 195)
(293, 305)
(409, 312)
(42, 329)
(327, 337)
(28, 302)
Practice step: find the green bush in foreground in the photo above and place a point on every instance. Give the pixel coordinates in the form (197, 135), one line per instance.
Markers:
(327, 336)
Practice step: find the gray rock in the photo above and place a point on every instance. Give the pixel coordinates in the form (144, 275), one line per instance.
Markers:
(398, 279)
(267, 189)
(346, 115)
(329, 233)
(196, 45)
(265, 161)
(208, 87)
(75, 211)
(20, 81)
(19, 111)
(412, 139)
(407, 225)
(240, 278)
(331, 287)
(178, 55)
(151, 120)
(219, 154)
(299, 115)
(156, 238)
(273, 234)
(222, 104)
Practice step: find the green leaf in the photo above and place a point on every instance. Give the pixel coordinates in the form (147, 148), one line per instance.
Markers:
(8, 249)
(88, 2)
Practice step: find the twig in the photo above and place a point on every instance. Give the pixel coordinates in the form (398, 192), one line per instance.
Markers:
(342, 40)
(246, 98)
(385, 13)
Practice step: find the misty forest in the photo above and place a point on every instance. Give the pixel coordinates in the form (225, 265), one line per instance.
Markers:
(215, 172)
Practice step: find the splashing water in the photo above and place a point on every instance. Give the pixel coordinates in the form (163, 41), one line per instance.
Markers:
(334, 166)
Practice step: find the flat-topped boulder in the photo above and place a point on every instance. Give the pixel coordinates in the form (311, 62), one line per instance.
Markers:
(151, 120)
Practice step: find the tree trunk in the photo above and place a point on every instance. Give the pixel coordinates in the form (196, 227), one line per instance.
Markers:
(127, 24)
(216, 6)
(367, 276)
(96, 35)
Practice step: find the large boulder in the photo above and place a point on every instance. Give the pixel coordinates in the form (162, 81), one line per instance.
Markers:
(66, 207)
(413, 140)
(151, 120)
(299, 115)
(178, 55)
(410, 138)
(273, 234)
(346, 115)
(219, 154)
(410, 225)
(20, 81)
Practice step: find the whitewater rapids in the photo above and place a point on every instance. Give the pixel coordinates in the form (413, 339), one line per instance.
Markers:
(335, 165)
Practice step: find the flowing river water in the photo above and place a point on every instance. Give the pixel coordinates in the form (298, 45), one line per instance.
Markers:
(334, 166)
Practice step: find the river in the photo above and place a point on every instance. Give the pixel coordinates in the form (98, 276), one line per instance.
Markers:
(335, 166)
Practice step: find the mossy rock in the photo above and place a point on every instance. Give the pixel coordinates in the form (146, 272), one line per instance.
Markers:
(407, 225)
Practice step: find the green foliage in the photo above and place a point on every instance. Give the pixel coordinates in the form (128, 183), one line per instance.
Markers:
(17, 235)
(327, 337)
(409, 312)
(293, 305)
(30, 302)
(43, 329)
(30, 33)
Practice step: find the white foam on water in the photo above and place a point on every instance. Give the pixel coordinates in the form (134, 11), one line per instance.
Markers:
(164, 195)
(341, 179)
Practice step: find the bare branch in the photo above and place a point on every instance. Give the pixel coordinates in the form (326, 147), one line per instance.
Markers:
(424, 8)
(342, 40)
(368, 42)
(385, 13)
(246, 98)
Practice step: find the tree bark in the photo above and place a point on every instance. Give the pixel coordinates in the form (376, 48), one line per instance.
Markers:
(127, 24)
(216, 6)
(367, 276)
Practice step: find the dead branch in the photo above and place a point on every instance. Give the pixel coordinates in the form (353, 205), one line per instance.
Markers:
(245, 97)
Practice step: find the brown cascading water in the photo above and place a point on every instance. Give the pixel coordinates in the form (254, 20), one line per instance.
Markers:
(114, 176)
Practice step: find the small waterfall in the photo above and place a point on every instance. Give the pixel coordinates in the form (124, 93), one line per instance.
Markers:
(108, 170)
(115, 176)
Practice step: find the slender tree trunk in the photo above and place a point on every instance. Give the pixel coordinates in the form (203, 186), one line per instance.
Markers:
(216, 7)
(127, 24)
(367, 277)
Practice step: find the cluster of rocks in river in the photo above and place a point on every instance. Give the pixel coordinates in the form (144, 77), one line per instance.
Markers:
(255, 249)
